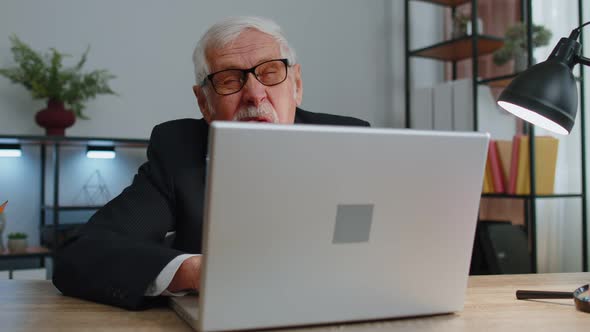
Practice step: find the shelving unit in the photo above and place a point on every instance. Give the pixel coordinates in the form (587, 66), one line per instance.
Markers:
(54, 208)
(498, 81)
(454, 50)
(472, 47)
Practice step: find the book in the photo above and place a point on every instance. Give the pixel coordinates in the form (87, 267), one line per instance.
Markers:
(513, 165)
(546, 164)
(546, 148)
(496, 168)
(504, 148)
(522, 174)
(488, 186)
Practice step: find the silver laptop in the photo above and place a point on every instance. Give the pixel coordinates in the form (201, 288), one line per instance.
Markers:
(310, 225)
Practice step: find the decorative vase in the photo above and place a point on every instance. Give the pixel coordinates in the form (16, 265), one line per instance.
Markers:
(55, 118)
(17, 245)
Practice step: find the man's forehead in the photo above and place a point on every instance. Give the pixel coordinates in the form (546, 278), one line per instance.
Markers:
(248, 49)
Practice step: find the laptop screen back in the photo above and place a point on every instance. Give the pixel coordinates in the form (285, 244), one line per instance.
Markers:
(320, 224)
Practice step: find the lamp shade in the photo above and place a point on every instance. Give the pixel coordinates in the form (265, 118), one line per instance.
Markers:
(545, 95)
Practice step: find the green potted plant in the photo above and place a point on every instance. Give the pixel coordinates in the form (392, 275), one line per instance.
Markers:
(462, 25)
(66, 89)
(515, 45)
(17, 242)
(460, 22)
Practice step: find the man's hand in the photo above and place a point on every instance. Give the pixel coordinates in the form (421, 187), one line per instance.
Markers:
(188, 276)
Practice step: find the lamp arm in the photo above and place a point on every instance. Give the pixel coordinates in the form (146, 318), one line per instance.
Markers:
(574, 36)
(576, 32)
(582, 60)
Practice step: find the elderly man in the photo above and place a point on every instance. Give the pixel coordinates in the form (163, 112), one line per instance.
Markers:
(245, 71)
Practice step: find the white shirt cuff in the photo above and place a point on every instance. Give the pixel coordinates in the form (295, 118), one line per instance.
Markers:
(158, 286)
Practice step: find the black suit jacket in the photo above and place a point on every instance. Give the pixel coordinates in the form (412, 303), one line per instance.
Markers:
(121, 249)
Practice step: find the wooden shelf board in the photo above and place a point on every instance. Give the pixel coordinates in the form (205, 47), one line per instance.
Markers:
(500, 83)
(564, 195)
(72, 207)
(72, 140)
(448, 3)
(459, 49)
(31, 251)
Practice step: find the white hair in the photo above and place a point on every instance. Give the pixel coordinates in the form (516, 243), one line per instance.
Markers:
(227, 30)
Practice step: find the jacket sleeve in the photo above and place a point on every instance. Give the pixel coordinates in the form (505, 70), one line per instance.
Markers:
(120, 251)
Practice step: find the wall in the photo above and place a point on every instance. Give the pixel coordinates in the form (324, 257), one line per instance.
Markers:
(343, 47)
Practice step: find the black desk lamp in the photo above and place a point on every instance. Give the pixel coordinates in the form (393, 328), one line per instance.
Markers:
(546, 94)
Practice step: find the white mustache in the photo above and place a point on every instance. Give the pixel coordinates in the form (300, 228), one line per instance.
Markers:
(264, 110)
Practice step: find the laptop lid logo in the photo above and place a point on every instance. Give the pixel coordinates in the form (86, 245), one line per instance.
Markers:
(353, 223)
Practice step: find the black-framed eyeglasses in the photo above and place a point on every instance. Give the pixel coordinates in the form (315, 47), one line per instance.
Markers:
(230, 81)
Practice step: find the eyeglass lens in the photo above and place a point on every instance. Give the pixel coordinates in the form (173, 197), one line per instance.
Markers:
(232, 80)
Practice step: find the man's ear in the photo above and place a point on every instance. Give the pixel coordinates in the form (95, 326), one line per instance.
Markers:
(298, 84)
(203, 104)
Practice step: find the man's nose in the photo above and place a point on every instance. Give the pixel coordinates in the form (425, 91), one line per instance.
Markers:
(253, 92)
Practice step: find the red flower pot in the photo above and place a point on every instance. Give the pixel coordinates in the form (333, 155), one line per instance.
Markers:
(55, 118)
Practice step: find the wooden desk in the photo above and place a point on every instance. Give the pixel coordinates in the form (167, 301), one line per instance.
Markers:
(490, 306)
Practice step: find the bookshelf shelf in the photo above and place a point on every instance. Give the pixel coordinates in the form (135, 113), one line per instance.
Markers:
(448, 3)
(532, 196)
(71, 141)
(31, 252)
(498, 81)
(460, 48)
(72, 208)
(504, 80)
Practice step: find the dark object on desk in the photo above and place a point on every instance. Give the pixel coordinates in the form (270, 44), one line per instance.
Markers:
(500, 248)
(581, 296)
